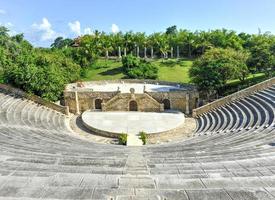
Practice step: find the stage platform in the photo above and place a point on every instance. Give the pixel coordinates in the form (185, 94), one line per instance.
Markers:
(132, 122)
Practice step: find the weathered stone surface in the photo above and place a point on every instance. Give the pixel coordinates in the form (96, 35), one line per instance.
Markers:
(232, 156)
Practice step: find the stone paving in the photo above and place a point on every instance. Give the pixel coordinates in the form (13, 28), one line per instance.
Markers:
(133, 122)
(231, 156)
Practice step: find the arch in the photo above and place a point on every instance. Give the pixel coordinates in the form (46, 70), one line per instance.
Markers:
(133, 106)
(98, 103)
(167, 105)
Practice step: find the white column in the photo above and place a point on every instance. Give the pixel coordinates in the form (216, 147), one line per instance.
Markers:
(125, 52)
(107, 54)
(178, 52)
(187, 109)
(152, 52)
(137, 51)
(172, 53)
(76, 103)
(119, 52)
(145, 55)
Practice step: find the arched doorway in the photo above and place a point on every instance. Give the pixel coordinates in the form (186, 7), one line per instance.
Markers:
(98, 104)
(133, 106)
(166, 103)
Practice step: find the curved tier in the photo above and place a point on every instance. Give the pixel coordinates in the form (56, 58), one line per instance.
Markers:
(232, 156)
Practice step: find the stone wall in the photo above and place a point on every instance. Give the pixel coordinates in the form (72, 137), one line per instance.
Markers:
(86, 99)
(178, 99)
(238, 95)
(145, 103)
(36, 99)
(116, 101)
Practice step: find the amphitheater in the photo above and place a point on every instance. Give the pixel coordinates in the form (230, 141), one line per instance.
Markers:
(231, 155)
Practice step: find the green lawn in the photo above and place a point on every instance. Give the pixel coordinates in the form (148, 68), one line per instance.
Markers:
(169, 70)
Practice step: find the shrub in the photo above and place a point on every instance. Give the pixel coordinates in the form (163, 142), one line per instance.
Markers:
(143, 137)
(136, 68)
(122, 139)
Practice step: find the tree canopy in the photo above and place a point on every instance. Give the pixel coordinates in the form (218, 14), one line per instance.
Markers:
(211, 71)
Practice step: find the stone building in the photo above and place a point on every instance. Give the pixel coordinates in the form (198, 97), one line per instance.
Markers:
(130, 95)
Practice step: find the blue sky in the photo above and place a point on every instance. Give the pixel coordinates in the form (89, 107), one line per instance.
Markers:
(43, 20)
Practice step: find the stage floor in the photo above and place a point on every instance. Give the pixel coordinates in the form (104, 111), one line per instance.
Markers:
(133, 122)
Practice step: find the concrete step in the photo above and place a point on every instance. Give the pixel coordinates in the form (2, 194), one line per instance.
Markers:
(133, 140)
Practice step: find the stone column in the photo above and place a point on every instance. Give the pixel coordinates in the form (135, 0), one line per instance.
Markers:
(125, 52)
(187, 109)
(178, 52)
(67, 110)
(137, 51)
(119, 52)
(76, 103)
(145, 55)
(152, 52)
(107, 54)
(172, 53)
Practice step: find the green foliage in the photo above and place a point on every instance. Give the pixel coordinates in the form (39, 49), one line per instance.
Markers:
(37, 71)
(139, 69)
(42, 73)
(172, 30)
(122, 139)
(60, 43)
(211, 71)
(262, 53)
(143, 137)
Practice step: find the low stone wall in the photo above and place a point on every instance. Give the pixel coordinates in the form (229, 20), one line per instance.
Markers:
(238, 95)
(36, 99)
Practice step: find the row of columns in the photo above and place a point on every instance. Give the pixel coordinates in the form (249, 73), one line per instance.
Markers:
(145, 52)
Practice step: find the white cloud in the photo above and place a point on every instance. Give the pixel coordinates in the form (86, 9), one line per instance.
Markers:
(2, 12)
(9, 24)
(75, 27)
(45, 28)
(115, 28)
(88, 31)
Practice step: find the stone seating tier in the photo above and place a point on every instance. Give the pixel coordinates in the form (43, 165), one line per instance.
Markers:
(231, 156)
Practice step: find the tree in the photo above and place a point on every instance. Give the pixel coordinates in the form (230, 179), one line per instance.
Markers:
(60, 43)
(172, 30)
(211, 71)
(262, 53)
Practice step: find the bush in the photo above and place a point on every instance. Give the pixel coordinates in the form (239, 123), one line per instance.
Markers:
(42, 73)
(122, 139)
(136, 68)
(143, 137)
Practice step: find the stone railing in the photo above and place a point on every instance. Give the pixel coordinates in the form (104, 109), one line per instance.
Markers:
(36, 99)
(238, 95)
(145, 81)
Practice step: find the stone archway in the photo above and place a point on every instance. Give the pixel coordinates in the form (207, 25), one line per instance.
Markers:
(167, 105)
(98, 103)
(133, 106)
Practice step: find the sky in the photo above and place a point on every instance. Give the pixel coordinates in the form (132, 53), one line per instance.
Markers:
(42, 21)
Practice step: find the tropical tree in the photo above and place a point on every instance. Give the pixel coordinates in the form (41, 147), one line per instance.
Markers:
(212, 70)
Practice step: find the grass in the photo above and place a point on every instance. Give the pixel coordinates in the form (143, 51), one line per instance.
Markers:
(104, 70)
(249, 78)
(169, 70)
